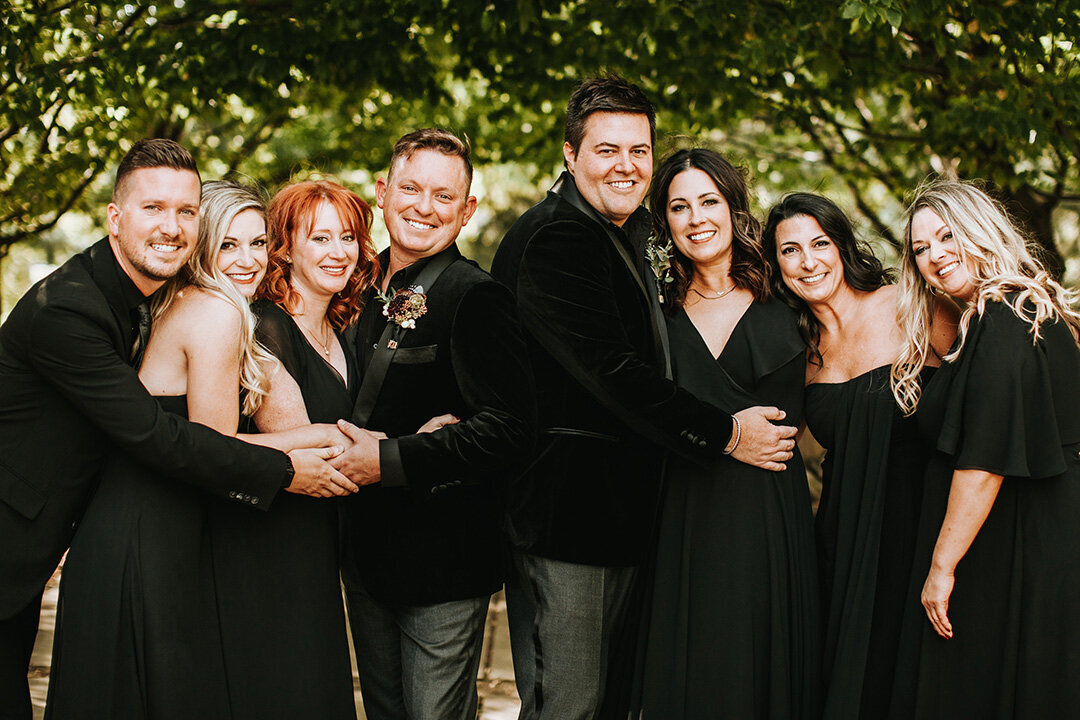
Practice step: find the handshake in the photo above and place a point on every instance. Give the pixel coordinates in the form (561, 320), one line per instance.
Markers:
(342, 457)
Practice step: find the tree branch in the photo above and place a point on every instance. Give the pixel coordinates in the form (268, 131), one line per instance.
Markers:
(76, 192)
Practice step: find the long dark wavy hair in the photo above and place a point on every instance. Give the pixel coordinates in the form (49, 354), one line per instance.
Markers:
(748, 267)
(862, 269)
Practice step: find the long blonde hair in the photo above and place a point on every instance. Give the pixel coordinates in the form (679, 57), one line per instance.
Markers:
(222, 201)
(1003, 265)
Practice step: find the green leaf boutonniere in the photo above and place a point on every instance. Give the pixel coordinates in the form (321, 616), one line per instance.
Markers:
(405, 306)
(659, 257)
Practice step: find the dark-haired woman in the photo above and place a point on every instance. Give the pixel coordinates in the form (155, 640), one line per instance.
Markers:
(732, 615)
(872, 474)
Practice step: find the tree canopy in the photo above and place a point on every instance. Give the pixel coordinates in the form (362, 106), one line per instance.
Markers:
(867, 96)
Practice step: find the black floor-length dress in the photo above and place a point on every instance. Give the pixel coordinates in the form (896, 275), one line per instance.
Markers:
(137, 627)
(866, 525)
(283, 620)
(1009, 406)
(732, 625)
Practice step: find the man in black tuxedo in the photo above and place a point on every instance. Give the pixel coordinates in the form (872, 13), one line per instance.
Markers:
(580, 519)
(423, 547)
(69, 391)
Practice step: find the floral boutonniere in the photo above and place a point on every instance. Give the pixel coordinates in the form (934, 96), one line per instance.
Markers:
(404, 306)
(659, 257)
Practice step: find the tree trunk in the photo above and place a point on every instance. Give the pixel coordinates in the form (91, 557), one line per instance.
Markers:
(1035, 211)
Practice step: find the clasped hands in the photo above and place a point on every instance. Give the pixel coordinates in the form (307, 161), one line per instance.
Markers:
(347, 458)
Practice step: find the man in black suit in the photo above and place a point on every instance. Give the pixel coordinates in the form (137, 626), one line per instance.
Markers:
(580, 519)
(423, 548)
(69, 391)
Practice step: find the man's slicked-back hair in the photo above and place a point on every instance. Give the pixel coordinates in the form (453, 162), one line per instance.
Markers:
(606, 93)
(152, 153)
(436, 139)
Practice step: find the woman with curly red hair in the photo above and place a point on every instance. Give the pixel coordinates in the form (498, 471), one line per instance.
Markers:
(283, 625)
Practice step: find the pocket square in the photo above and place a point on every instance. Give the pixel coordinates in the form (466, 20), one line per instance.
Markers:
(415, 355)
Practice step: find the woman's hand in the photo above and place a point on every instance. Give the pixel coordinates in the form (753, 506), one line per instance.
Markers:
(971, 497)
(331, 436)
(439, 421)
(935, 598)
(313, 476)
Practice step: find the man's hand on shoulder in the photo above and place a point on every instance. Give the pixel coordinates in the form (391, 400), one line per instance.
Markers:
(761, 443)
(361, 461)
(314, 476)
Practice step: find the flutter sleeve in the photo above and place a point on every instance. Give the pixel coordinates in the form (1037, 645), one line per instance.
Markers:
(1000, 412)
(277, 333)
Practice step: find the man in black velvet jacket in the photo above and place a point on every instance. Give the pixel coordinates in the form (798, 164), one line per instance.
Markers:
(580, 518)
(423, 548)
(69, 391)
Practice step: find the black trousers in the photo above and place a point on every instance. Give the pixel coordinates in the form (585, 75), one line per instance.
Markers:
(17, 635)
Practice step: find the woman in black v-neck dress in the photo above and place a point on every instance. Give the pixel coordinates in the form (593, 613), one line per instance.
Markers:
(731, 614)
(997, 571)
(283, 622)
(874, 461)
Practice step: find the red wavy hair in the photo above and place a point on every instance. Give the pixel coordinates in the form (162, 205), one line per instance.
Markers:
(291, 213)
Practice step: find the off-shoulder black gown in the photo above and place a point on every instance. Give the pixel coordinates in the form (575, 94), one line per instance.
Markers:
(1009, 405)
(283, 621)
(137, 633)
(732, 619)
(865, 526)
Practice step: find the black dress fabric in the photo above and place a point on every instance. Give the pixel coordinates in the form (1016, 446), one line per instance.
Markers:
(283, 622)
(1008, 405)
(137, 628)
(732, 619)
(865, 526)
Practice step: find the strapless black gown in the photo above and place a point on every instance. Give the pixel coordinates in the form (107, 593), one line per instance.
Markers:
(865, 526)
(137, 627)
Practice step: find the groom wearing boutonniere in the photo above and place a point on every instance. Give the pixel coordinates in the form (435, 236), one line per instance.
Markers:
(423, 550)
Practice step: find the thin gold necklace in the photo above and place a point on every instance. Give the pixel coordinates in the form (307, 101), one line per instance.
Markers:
(313, 336)
(717, 296)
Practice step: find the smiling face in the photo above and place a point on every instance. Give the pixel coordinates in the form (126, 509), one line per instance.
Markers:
(809, 260)
(154, 224)
(613, 166)
(425, 203)
(242, 255)
(699, 218)
(324, 257)
(939, 257)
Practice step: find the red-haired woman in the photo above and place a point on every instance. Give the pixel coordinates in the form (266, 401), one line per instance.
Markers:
(283, 625)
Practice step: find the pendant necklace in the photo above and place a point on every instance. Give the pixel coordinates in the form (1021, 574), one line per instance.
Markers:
(717, 296)
(325, 345)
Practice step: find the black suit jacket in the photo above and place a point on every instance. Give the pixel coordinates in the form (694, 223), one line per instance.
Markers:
(67, 393)
(605, 407)
(430, 531)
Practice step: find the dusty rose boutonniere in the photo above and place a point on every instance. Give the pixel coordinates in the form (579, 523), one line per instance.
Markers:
(404, 306)
(659, 257)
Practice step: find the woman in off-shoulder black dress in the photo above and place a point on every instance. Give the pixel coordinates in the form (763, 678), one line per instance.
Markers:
(874, 461)
(731, 616)
(998, 558)
(283, 620)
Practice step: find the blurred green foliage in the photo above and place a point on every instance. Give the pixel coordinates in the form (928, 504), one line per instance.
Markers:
(862, 99)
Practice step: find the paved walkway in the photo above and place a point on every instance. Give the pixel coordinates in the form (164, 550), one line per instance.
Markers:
(498, 697)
